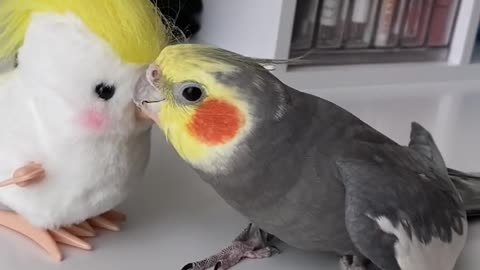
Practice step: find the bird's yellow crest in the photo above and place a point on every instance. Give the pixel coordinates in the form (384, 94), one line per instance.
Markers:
(133, 28)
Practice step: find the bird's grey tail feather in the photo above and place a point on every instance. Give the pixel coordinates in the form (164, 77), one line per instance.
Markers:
(467, 184)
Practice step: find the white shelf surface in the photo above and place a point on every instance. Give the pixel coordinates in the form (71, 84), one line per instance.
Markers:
(174, 217)
(379, 75)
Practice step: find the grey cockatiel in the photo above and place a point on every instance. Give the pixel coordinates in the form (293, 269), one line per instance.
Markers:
(301, 168)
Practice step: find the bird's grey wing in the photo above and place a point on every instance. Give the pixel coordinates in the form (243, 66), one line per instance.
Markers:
(422, 141)
(467, 184)
(396, 202)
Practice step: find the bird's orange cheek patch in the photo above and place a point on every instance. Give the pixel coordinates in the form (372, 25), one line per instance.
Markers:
(216, 122)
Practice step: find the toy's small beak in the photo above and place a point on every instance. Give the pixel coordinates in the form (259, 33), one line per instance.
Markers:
(147, 96)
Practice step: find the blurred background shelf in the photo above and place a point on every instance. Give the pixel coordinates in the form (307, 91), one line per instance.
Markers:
(264, 29)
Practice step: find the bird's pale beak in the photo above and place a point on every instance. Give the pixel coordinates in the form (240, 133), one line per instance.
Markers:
(147, 96)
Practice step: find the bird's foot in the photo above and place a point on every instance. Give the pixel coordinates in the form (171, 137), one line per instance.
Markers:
(71, 235)
(351, 262)
(250, 244)
(231, 256)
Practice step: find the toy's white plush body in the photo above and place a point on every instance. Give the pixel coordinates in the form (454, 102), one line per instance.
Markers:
(93, 150)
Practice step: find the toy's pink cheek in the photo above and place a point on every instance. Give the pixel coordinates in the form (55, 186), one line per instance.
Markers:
(93, 119)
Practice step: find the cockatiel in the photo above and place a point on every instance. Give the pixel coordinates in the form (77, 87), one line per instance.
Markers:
(72, 141)
(301, 168)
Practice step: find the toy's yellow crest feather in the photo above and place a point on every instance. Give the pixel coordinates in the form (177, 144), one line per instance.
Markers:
(133, 28)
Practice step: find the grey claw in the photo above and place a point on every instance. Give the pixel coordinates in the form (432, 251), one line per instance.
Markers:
(354, 263)
(274, 250)
(217, 266)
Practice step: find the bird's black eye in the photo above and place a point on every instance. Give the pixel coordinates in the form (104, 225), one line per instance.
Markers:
(192, 93)
(105, 91)
(189, 93)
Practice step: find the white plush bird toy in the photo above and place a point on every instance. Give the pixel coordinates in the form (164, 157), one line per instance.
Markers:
(72, 145)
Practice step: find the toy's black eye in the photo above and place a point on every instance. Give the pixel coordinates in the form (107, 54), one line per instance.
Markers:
(192, 93)
(105, 91)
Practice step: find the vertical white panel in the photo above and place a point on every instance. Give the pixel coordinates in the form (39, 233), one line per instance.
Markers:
(285, 29)
(463, 40)
(249, 27)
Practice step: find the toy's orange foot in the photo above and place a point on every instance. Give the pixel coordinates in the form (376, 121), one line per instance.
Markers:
(39, 236)
(70, 235)
(108, 221)
(65, 237)
(80, 230)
